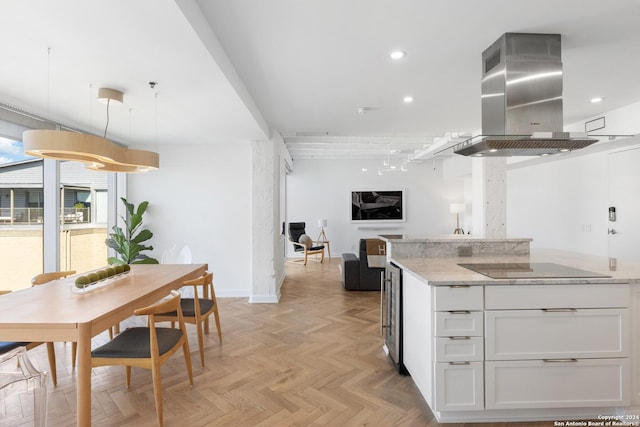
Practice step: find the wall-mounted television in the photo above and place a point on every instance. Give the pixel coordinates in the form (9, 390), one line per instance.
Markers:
(380, 206)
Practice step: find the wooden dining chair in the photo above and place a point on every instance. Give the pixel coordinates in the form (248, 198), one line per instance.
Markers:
(197, 310)
(43, 278)
(6, 346)
(148, 347)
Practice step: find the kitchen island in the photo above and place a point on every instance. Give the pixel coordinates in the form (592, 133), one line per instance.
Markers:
(516, 349)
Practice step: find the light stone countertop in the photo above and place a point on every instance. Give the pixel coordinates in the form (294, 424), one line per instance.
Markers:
(445, 271)
(459, 238)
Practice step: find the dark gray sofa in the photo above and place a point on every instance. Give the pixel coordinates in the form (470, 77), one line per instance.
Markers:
(356, 273)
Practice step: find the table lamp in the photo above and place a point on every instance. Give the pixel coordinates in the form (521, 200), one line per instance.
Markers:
(457, 208)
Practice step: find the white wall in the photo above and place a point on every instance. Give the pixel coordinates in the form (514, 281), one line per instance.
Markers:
(561, 205)
(321, 189)
(201, 196)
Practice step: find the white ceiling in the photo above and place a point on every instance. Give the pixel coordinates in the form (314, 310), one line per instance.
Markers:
(229, 70)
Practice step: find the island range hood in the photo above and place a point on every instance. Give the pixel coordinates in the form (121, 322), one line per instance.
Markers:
(522, 100)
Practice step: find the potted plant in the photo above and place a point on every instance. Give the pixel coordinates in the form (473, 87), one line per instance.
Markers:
(127, 243)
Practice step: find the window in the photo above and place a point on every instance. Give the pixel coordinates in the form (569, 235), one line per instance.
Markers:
(83, 216)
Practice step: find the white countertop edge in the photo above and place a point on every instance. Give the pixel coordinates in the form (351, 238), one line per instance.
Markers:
(453, 238)
(446, 272)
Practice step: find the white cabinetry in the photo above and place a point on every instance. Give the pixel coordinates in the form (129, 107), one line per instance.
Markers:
(635, 345)
(557, 383)
(458, 344)
(557, 333)
(417, 333)
(560, 348)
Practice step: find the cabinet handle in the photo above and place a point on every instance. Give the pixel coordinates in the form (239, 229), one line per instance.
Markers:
(459, 286)
(459, 312)
(459, 363)
(559, 310)
(559, 360)
(459, 338)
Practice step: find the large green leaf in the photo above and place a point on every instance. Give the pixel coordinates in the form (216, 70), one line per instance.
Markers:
(135, 221)
(128, 205)
(142, 207)
(143, 236)
(125, 242)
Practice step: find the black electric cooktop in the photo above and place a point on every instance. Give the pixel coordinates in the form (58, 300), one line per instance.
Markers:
(526, 270)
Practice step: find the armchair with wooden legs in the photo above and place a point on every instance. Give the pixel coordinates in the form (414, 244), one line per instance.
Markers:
(303, 243)
(148, 347)
(197, 310)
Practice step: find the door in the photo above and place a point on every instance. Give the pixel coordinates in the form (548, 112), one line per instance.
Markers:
(624, 197)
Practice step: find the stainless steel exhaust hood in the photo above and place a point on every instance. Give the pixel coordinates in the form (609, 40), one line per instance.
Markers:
(522, 100)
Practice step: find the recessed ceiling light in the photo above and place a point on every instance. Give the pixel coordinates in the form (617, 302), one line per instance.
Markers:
(596, 100)
(364, 169)
(398, 54)
(408, 99)
(493, 150)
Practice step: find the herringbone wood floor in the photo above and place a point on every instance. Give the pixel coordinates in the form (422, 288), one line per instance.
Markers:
(314, 359)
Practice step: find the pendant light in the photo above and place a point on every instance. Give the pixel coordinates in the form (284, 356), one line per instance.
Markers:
(97, 152)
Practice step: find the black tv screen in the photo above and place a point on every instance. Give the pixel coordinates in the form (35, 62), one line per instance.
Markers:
(377, 205)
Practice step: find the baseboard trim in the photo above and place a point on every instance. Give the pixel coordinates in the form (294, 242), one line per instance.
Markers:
(264, 299)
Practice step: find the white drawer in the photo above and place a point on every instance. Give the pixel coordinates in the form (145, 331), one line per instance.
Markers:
(458, 298)
(511, 297)
(459, 386)
(459, 323)
(539, 334)
(459, 349)
(557, 384)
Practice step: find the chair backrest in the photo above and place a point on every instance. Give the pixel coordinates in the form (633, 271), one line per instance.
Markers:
(172, 256)
(206, 282)
(185, 255)
(296, 229)
(169, 255)
(170, 303)
(43, 278)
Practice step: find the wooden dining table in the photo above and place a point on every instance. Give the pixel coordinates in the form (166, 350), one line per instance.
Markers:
(55, 312)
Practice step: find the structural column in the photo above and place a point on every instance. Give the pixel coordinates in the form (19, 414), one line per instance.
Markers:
(489, 185)
(263, 276)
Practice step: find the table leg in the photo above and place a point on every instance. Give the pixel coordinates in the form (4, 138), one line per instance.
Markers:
(84, 376)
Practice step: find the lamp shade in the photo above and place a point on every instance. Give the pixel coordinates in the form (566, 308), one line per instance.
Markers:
(456, 208)
(98, 153)
(322, 223)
